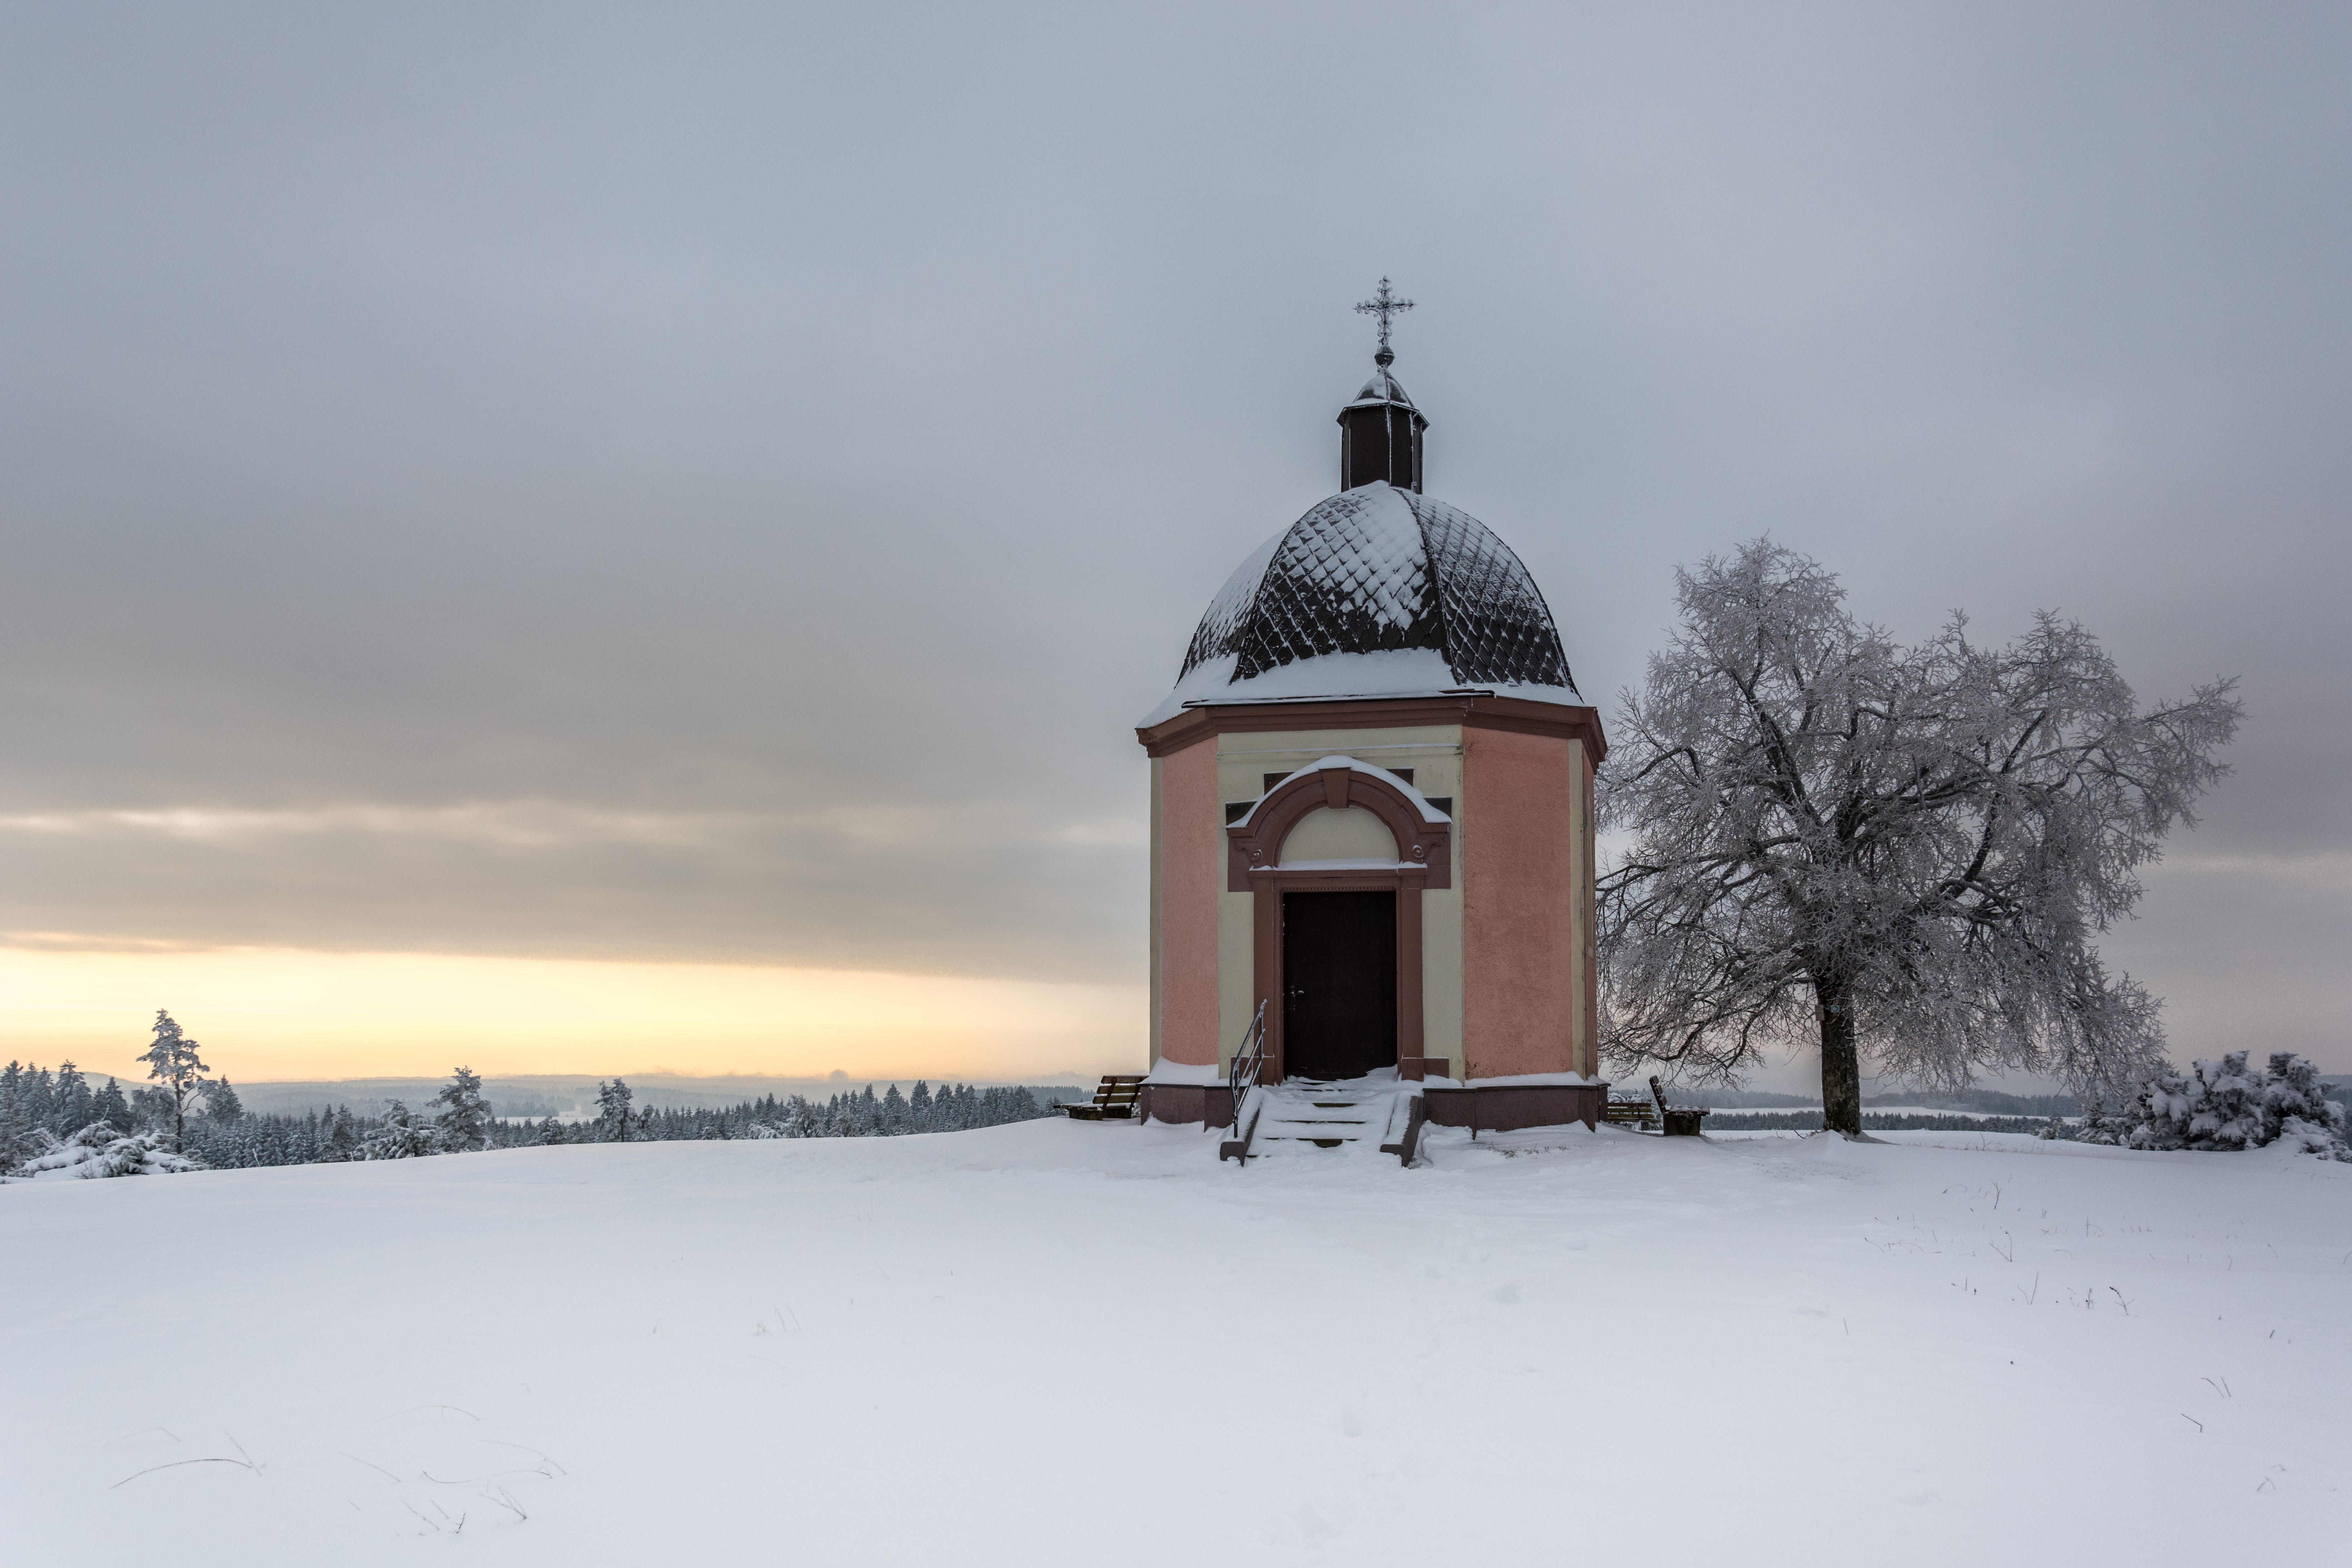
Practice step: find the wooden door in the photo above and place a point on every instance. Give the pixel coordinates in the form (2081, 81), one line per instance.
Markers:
(1338, 984)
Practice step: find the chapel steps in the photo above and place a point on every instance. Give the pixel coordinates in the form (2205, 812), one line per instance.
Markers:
(1303, 1118)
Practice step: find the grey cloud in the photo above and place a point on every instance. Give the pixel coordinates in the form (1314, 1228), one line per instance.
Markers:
(723, 418)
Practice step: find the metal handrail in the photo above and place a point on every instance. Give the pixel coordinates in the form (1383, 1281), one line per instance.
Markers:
(1249, 1063)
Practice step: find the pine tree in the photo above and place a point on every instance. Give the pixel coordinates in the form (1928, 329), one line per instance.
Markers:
(342, 1138)
(221, 1104)
(71, 1100)
(36, 1094)
(172, 1059)
(110, 1107)
(18, 1140)
(2296, 1110)
(613, 1119)
(466, 1124)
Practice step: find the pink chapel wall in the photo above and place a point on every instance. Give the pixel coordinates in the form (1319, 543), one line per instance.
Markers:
(1522, 969)
(1191, 875)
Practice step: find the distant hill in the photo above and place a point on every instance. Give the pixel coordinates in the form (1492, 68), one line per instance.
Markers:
(571, 1095)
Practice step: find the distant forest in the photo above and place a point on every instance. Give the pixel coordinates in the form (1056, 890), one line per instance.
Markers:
(41, 1111)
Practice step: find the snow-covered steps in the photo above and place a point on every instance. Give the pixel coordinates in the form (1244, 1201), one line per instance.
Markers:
(1306, 1116)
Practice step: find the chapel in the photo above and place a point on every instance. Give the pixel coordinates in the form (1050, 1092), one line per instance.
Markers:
(1372, 809)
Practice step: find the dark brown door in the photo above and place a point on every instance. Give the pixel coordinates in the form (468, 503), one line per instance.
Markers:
(1338, 984)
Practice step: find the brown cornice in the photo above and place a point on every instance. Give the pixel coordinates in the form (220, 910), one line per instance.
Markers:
(1471, 713)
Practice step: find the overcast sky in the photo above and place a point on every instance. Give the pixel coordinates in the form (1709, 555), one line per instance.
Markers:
(695, 484)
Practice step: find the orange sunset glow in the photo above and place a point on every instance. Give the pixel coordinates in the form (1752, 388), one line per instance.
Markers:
(275, 1012)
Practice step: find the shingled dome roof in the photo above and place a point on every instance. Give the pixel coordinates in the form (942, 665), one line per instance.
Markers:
(1376, 592)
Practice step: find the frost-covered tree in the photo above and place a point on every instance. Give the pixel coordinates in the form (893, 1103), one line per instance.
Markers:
(1902, 854)
(465, 1121)
(171, 1060)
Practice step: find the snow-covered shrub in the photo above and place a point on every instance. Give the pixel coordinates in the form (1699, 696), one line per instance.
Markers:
(2230, 1105)
(404, 1135)
(99, 1150)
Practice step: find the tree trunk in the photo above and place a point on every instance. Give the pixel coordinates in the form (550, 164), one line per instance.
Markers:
(1840, 1066)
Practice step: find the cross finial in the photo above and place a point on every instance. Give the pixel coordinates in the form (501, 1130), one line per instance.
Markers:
(1385, 305)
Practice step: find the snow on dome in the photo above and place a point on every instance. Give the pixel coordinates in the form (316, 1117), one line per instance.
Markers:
(1376, 592)
(1382, 388)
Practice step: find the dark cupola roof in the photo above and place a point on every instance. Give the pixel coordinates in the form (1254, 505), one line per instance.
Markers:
(1426, 589)
(1379, 591)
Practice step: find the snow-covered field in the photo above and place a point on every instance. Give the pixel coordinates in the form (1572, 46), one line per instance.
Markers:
(1062, 1342)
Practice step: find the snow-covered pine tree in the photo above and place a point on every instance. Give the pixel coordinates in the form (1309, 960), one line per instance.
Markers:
(108, 1106)
(19, 1140)
(2226, 1104)
(2214, 1105)
(404, 1135)
(2296, 1110)
(342, 1139)
(918, 1109)
(33, 1095)
(171, 1060)
(466, 1123)
(221, 1104)
(615, 1123)
(71, 1099)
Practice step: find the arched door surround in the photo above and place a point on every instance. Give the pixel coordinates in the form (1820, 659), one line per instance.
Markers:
(1424, 858)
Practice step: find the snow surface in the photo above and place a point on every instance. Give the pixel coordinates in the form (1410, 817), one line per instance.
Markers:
(1537, 1080)
(1387, 672)
(1092, 1343)
(1166, 1071)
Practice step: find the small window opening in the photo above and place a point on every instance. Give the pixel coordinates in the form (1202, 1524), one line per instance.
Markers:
(1237, 809)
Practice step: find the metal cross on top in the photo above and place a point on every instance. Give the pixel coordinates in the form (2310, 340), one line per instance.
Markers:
(1385, 305)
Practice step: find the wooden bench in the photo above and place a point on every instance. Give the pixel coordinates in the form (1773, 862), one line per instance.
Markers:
(1672, 1121)
(1113, 1101)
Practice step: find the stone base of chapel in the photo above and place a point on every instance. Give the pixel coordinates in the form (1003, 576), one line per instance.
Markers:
(1481, 1108)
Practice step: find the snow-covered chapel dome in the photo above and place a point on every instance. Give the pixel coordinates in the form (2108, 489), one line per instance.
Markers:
(1377, 592)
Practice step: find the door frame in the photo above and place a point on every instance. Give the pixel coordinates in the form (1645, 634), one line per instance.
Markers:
(1253, 866)
(1286, 907)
